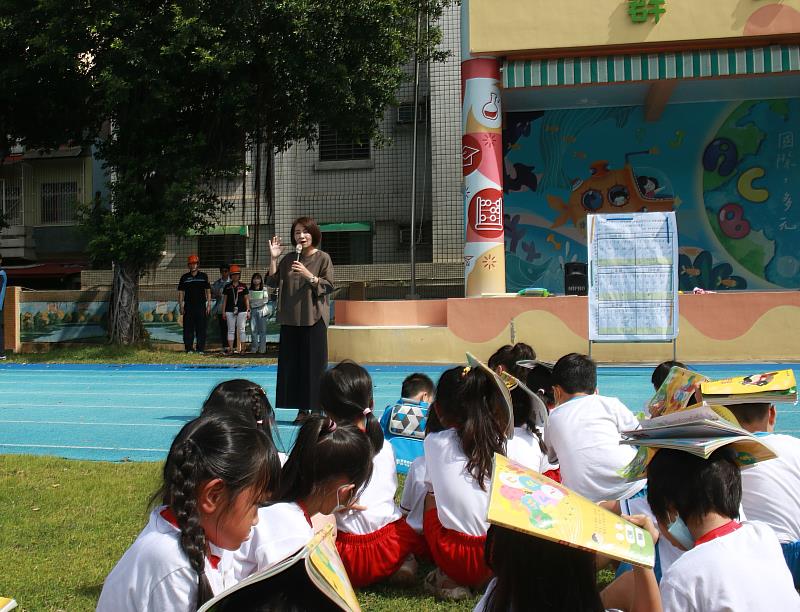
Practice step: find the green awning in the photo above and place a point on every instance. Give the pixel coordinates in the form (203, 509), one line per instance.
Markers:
(651, 67)
(222, 230)
(345, 227)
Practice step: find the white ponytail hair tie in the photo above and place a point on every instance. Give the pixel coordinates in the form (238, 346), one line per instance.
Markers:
(367, 411)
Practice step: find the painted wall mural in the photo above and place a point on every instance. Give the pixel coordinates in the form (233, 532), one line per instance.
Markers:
(729, 170)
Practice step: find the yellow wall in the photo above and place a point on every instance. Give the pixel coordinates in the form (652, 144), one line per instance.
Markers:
(36, 172)
(507, 26)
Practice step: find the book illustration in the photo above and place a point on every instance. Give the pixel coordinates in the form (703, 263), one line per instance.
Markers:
(701, 420)
(748, 448)
(526, 501)
(775, 386)
(474, 362)
(6, 604)
(675, 392)
(313, 578)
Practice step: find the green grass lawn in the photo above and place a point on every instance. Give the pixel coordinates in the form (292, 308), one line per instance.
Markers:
(107, 353)
(66, 523)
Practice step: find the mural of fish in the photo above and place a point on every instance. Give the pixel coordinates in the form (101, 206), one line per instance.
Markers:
(608, 190)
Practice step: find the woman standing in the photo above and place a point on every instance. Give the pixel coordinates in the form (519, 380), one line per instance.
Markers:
(236, 306)
(304, 280)
(258, 314)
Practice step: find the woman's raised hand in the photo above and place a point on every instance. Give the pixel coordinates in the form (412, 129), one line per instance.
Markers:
(275, 247)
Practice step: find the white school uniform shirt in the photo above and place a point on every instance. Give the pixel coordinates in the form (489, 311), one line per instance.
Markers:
(583, 435)
(524, 449)
(771, 489)
(461, 504)
(412, 502)
(155, 573)
(741, 571)
(282, 530)
(377, 497)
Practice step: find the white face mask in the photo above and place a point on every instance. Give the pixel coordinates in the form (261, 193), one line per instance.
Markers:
(339, 505)
(678, 530)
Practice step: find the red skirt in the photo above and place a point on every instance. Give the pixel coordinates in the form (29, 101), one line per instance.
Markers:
(457, 554)
(372, 557)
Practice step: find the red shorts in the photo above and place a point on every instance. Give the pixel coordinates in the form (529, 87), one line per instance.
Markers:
(457, 554)
(375, 556)
(553, 474)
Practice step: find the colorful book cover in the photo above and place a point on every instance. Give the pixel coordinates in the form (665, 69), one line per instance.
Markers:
(675, 392)
(327, 570)
(526, 501)
(779, 381)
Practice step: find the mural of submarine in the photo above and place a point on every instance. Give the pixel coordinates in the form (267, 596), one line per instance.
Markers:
(609, 190)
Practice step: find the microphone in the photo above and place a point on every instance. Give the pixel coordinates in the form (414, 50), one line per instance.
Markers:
(298, 249)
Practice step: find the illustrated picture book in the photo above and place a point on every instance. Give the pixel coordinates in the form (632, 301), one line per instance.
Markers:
(775, 386)
(699, 430)
(312, 579)
(675, 392)
(526, 501)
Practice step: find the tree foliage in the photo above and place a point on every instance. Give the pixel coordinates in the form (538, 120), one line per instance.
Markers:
(187, 86)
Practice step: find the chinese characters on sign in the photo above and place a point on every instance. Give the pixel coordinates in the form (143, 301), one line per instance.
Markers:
(642, 11)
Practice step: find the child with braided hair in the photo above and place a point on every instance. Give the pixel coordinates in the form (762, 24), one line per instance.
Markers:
(217, 473)
(326, 467)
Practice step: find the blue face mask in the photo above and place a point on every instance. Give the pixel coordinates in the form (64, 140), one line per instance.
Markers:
(678, 530)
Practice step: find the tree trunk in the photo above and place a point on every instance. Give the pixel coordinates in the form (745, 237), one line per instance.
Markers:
(124, 324)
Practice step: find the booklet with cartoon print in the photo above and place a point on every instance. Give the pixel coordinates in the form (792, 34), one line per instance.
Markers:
(675, 392)
(526, 501)
(6, 604)
(312, 579)
(775, 386)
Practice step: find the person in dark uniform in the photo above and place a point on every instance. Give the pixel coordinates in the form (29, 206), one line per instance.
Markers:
(194, 299)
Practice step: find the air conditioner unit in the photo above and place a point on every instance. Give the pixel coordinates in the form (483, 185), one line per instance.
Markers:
(405, 113)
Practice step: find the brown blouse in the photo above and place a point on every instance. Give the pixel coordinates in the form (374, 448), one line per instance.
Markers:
(301, 303)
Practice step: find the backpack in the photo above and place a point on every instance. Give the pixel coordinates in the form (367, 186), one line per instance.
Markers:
(403, 426)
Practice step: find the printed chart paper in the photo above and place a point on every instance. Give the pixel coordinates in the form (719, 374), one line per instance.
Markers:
(633, 277)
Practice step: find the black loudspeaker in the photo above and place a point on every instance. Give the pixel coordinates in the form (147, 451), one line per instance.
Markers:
(576, 278)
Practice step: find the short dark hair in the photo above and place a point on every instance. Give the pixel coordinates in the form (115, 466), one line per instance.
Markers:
(508, 356)
(662, 371)
(224, 266)
(540, 381)
(694, 486)
(311, 227)
(751, 412)
(416, 383)
(575, 373)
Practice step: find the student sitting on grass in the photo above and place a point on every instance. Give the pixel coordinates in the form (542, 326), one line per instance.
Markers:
(506, 357)
(217, 473)
(771, 489)
(373, 540)
(459, 469)
(536, 574)
(415, 397)
(526, 447)
(729, 565)
(247, 400)
(326, 467)
(583, 433)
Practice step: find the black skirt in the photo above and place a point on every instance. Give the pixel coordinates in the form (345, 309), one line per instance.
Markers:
(302, 359)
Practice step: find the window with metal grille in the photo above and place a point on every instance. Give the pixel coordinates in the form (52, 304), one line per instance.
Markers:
(11, 200)
(215, 251)
(333, 147)
(348, 248)
(59, 202)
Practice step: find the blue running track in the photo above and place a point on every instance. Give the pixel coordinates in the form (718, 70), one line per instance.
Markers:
(132, 412)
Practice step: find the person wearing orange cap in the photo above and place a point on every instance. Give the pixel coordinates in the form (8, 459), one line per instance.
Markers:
(194, 299)
(236, 306)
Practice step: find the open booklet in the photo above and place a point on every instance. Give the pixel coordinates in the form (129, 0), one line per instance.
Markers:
(526, 501)
(311, 579)
(6, 604)
(699, 430)
(775, 386)
(675, 392)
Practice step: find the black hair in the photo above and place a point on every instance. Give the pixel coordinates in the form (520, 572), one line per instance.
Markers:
(525, 414)
(575, 373)
(508, 356)
(324, 451)
(416, 383)
(245, 399)
(311, 227)
(661, 372)
(212, 446)
(531, 570)
(694, 486)
(540, 381)
(444, 398)
(480, 417)
(750, 412)
(253, 284)
(345, 393)
(642, 182)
